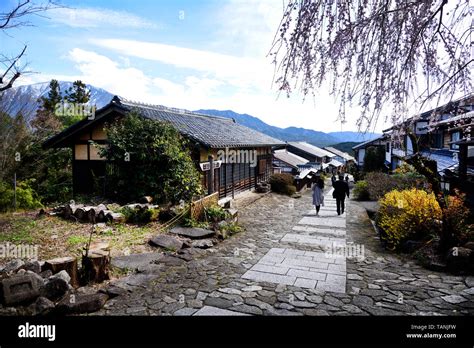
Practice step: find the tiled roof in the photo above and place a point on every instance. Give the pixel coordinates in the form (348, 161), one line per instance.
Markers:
(212, 131)
(290, 158)
(311, 149)
(335, 163)
(339, 153)
(368, 142)
(444, 159)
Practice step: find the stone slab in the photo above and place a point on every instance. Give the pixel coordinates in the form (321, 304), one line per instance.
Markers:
(214, 311)
(193, 233)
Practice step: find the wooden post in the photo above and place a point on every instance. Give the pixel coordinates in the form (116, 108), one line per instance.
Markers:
(210, 184)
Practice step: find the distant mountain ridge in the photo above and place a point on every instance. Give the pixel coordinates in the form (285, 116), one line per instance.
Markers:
(292, 133)
(24, 99)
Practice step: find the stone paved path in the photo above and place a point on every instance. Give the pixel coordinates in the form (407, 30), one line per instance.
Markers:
(283, 235)
(315, 269)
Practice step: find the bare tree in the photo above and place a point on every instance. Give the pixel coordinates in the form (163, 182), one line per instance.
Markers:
(376, 53)
(15, 17)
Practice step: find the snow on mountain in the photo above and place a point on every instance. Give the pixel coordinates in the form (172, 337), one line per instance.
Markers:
(24, 99)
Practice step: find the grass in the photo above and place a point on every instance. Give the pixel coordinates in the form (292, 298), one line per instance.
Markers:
(56, 237)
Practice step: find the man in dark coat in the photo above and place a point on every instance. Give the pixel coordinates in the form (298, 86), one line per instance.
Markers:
(341, 190)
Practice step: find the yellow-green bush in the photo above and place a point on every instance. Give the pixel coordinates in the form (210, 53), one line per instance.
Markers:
(409, 214)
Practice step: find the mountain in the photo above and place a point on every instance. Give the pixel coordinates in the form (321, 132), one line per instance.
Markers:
(292, 133)
(24, 99)
(353, 136)
(346, 146)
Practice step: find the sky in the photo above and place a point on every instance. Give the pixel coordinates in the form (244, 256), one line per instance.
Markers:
(191, 54)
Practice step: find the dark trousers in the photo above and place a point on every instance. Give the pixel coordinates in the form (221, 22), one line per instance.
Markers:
(317, 208)
(340, 205)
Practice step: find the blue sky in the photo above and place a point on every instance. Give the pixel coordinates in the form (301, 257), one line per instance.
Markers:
(192, 54)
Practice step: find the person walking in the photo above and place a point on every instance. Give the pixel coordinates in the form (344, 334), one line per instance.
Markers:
(318, 194)
(333, 179)
(341, 190)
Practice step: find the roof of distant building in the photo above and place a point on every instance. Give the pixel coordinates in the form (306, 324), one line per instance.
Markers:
(311, 149)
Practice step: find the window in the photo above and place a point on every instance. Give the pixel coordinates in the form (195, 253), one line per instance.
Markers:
(456, 136)
(387, 147)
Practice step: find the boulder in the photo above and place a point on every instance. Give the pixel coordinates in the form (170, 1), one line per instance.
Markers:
(33, 266)
(13, 266)
(62, 275)
(469, 245)
(42, 306)
(166, 242)
(55, 288)
(82, 303)
(193, 233)
(20, 288)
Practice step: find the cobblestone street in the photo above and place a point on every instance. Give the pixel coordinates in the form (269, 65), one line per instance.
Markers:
(279, 266)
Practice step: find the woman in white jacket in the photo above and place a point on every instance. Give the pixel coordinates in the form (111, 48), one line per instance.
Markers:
(318, 194)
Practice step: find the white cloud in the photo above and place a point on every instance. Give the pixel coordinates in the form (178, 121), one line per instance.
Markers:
(240, 72)
(96, 18)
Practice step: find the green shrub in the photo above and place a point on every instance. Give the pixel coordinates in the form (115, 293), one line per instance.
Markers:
(149, 158)
(26, 197)
(139, 215)
(282, 183)
(407, 215)
(190, 222)
(231, 228)
(361, 191)
(215, 213)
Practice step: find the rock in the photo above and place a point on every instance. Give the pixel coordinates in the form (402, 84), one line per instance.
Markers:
(230, 291)
(33, 266)
(46, 274)
(469, 281)
(134, 261)
(62, 275)
(460, 260)
(82, 303)
(41, 306)
(217, 302)
(13, 266)
(352, 276)
(203, 243)
(166, 242)
(252, 288)
(193, 233)
(170, 260)
(114, 291)
(21, 288)
(55, 288)
(454, 299)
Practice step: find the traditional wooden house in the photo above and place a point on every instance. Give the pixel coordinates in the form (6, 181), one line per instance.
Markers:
(231, 157)
(313, 154)
(288, 162)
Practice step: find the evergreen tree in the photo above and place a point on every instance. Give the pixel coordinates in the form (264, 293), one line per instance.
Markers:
(78, 93)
